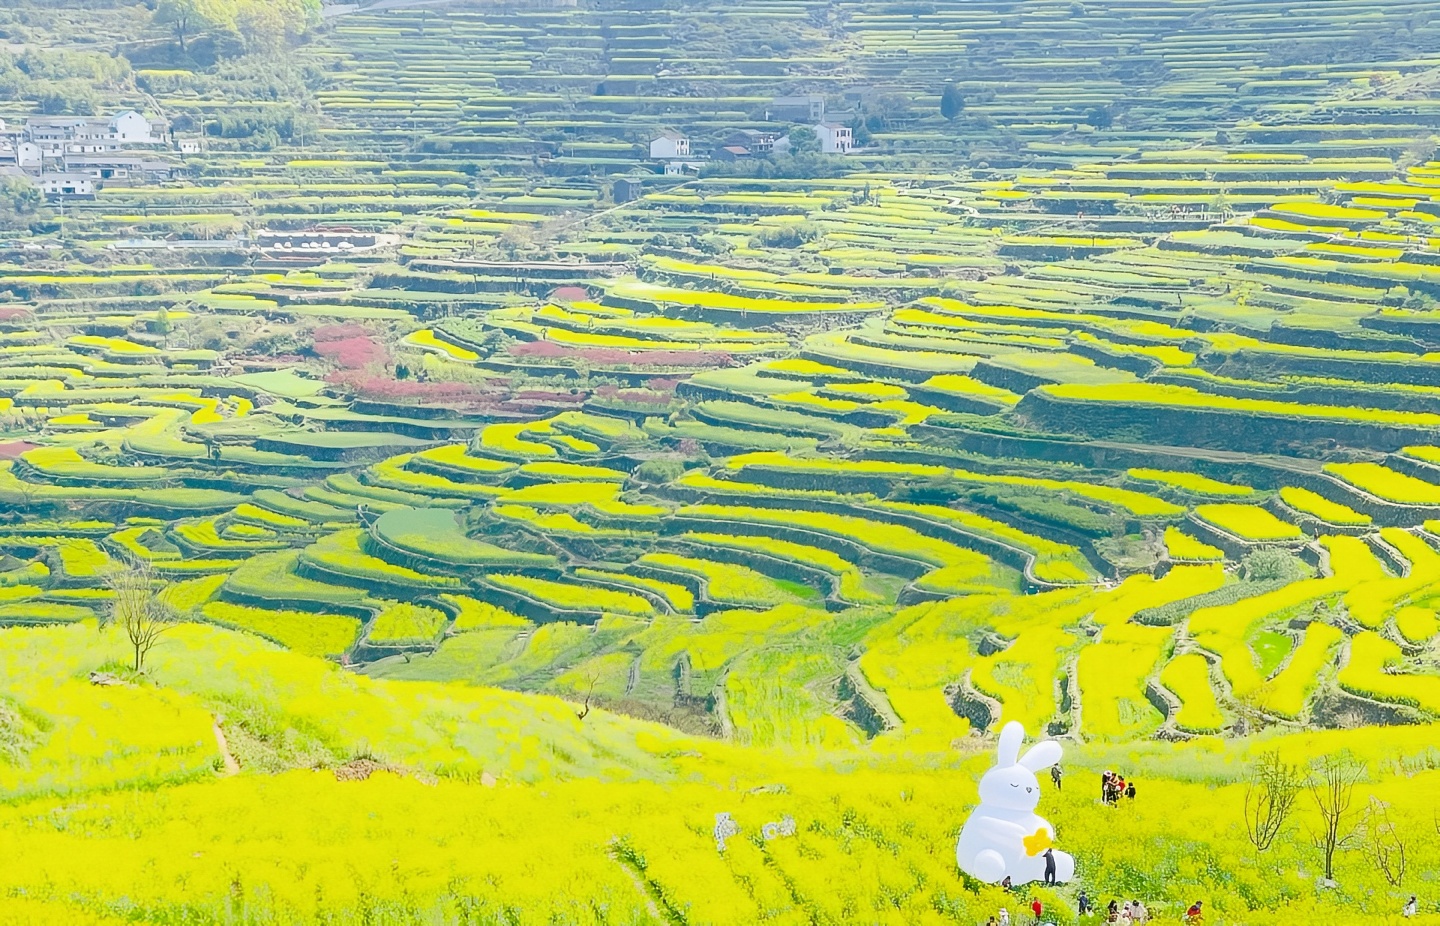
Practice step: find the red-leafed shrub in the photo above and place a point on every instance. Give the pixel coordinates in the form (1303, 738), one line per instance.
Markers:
(354, 353)
(410, 391)
(340, 332)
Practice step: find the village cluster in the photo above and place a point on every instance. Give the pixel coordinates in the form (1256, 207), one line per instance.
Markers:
(75, 155)
(834, 136)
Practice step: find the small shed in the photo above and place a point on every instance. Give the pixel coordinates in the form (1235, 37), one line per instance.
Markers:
(626, 190)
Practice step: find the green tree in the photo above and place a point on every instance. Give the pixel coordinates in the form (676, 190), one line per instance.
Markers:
(20, 200)
(803, 140)
(264, 26)
(268, 26)
(190, 17)
(952, 102)
(1100, 117)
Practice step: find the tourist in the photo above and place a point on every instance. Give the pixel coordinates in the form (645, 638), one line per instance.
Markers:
(1050, 867)
(1005, 885)
(1194, 914)
(1412, 906)
(1112, 912)
(1130, 790)
(991, 922)
(1037, 908)
(1082, 904)
(1004, 916)
(1138, 912)
(1105, 777)
(1055, 775)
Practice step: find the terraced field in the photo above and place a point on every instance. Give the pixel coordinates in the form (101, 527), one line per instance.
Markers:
(1110, 405)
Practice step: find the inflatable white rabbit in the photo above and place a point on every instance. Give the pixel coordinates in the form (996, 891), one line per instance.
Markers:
(1003, 835)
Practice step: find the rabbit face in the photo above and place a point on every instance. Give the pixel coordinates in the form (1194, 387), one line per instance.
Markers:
(1010, 788)
(1011, 784)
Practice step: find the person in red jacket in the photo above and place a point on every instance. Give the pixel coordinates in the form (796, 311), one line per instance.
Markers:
(1036, 908)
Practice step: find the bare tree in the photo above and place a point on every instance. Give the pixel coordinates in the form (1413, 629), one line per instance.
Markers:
(1270, 798)
(138, 610)
(1383, 845)
(1332, 785)
(589, 693)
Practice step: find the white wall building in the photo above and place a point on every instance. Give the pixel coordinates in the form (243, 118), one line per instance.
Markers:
(27, 156)
(67, 185)
(61, 135)
(835, 138)
(130, 128)
(668, 145)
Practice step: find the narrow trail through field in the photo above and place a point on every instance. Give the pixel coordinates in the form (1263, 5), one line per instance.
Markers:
(231, 766)
(646, 890)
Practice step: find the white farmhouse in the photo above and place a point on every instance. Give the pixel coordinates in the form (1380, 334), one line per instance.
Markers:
(27, 156)
(130, 128)
(835, 138)
(669, 145)
(67, 185)
(22, 155)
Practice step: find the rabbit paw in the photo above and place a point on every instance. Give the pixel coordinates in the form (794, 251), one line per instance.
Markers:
(1064, 866)
(988, 866)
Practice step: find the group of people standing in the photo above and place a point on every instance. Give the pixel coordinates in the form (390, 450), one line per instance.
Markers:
(1003, 918)
(1113, 786)
(1133, 913)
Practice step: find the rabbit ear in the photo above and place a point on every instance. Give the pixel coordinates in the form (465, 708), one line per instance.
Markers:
(1011, 736)
(1041, 755)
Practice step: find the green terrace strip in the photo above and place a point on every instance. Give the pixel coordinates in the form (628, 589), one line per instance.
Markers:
(601, 497)
(454, 461)
(677, 596)
(724, 583)
(956, 569)
(851, 579)
(1135, 503)
(1184, 397)
(341, 556)
(434, 536)
(271, 578)
(471, 615)
(325, 635)
(402, 624)
(1189, 482)
(570, 597)
(635, 291)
